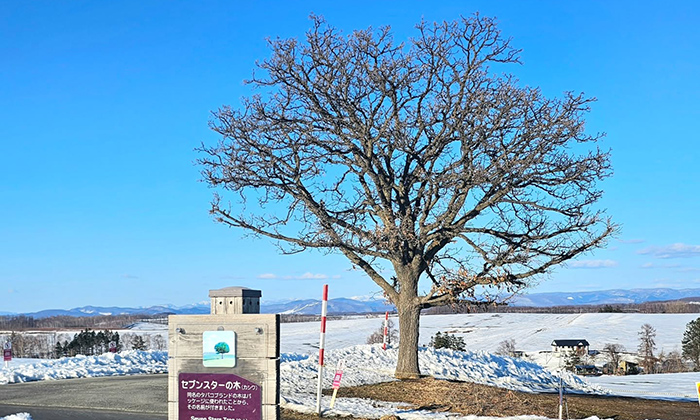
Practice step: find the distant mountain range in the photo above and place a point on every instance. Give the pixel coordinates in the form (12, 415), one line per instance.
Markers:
(365, 305)
(616, 296)
(117, 310)
(301, 307)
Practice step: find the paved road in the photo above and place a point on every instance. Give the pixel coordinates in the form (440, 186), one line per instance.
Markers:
(141, 397)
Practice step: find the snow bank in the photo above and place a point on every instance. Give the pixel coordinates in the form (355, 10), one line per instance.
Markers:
(364, 364)
(367, 364)
(18, 416)
(131, 362)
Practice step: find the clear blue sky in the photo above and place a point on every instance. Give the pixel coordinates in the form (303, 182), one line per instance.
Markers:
(102, 104)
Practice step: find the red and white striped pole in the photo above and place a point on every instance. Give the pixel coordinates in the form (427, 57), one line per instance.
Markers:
(321, 347)
(386, 329)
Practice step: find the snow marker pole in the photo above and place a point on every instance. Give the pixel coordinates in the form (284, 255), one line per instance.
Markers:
(321, 347)
(561, 382)
(561, 405)
(386, 329)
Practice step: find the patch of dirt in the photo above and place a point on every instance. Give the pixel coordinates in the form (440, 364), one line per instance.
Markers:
(481, 400)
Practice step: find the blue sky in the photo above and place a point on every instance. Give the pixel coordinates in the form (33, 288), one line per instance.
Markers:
(102, 104)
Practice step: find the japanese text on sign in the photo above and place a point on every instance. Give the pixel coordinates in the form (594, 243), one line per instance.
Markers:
(218, 396)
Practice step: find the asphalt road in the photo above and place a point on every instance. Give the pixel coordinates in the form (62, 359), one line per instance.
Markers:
(141, 397)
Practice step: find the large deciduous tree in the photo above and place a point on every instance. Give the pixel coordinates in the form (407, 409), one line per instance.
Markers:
(417, 155)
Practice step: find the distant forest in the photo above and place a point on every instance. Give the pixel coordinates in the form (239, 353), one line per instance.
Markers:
(682, 306)
(23, 322)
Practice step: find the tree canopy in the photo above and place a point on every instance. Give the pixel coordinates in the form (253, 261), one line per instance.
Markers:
(417, 154)
(222, 348)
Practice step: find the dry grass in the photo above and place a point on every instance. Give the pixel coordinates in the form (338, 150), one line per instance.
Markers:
(467, 398)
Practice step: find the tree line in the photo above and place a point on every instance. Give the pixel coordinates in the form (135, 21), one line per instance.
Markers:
(662, 307)
(87, 342)
(26, 322)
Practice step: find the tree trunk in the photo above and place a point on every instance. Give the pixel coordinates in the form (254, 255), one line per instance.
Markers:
(409, 322)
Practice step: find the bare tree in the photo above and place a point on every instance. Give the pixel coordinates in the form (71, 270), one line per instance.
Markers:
(18, 344)
(647, 345)
(158, 342)
(506, 348)
(377, 337)
(34, 346)
(411, 156)
(127, 339)
(671, 362)
(613, 352)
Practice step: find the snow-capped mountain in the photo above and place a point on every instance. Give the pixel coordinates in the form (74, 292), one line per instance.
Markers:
(367, 304)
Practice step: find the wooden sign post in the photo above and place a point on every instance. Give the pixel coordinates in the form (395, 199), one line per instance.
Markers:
(7, 352)
(225, 365)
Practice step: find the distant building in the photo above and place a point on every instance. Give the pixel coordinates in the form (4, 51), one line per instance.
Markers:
(587, 370)
(627, 368)
(579, 346)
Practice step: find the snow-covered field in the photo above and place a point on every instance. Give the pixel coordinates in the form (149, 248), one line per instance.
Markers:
(531, 332)
(674, 386)
(345, 339)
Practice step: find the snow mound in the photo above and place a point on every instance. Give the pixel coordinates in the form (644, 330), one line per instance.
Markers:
(131, 362)
(368, 364)
(18, 416)
(292, 357)
(500, 371)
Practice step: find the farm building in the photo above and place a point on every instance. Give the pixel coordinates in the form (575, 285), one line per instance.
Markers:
(580, 346)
